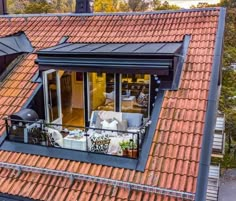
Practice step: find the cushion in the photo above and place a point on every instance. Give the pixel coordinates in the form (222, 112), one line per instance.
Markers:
(110, 126)
(99, 143)
(122, 125)
(142, 99)
(134, 119)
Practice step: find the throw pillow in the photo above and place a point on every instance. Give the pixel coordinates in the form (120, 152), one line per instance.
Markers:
(110, 126)
(142, 99)
(122, 125)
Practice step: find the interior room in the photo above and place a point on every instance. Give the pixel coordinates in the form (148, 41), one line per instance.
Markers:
(72, 98)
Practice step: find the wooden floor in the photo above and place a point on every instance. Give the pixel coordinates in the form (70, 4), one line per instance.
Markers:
(73, 116)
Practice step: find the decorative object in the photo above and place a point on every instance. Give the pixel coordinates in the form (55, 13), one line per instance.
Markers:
(110, 126)
(100, 144)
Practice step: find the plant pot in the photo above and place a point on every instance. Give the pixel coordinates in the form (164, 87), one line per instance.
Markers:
(132, 153)
(125, 152)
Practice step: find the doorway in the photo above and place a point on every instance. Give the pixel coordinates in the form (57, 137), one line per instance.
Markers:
(64, 97)
(72, 98)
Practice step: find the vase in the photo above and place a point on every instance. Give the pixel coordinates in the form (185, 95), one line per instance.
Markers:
(125, 152)
(132, 153)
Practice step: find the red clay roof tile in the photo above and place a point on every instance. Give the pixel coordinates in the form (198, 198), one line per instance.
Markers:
(174, 156)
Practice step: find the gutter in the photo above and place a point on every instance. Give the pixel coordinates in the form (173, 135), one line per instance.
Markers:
(210, 120)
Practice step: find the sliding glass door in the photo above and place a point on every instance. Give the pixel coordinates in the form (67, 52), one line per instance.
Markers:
(135, 93)
(101, 92)
(128, 93)
(65, 101)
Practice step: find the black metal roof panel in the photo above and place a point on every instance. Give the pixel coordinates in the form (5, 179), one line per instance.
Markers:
(13, 44)
(114, 48)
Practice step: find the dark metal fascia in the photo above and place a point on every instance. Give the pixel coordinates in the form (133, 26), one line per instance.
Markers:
(32, 96)
(143, 157)
(179, 67)
(103, 63)
(71, 53)
(36, 77)
(8, 197)
(142, 66)
(210, 119)
(106, 60)
(3, 138)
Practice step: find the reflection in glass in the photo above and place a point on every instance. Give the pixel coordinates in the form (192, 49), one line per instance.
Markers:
(52, 95)
(101, 91)
(135, 93)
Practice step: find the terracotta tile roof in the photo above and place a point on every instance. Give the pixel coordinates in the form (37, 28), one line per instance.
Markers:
(174, 157)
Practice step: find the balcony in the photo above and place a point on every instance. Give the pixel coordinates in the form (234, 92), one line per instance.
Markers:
(85, 139)
(219, 137)
(213, 183)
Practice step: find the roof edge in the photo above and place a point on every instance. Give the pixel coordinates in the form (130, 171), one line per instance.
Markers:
(210, 119)
(108, 14)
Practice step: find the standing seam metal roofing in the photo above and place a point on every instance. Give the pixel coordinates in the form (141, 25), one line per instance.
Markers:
(17, 43)
(173, 160)
(125, 48)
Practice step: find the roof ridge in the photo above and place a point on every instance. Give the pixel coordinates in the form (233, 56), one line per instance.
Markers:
(109, 14)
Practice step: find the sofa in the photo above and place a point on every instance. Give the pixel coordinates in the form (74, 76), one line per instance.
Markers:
(134, 120)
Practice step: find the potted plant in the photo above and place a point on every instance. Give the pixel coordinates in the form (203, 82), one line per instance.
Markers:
(132, 151)
(124, 146)
(43, 138)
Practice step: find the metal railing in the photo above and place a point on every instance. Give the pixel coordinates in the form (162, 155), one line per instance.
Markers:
(88, 139)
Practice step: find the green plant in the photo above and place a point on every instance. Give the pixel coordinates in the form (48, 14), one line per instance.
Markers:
(132, 145)
(124, 145)
(43, 136)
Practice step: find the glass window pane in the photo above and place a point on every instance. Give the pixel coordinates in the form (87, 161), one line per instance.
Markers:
(135, 93)
(52, 96)
(101, 91)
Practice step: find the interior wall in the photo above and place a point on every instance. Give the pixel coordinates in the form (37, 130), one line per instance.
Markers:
(97, 88)
(77, 92)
